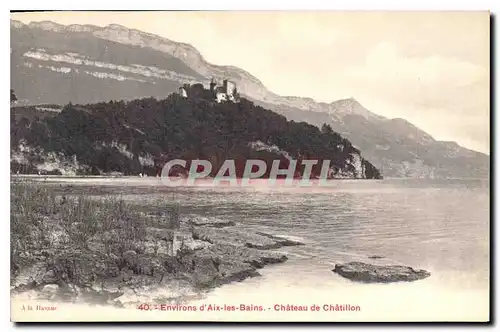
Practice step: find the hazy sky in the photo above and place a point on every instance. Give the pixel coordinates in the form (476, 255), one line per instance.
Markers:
(429, 68)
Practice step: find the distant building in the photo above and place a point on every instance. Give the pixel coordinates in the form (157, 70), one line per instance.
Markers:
(226, 92)
(213, 85)
(183, 92)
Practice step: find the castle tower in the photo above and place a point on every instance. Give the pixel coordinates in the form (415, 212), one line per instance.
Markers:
(183, 92)
(212, 85)
(230, 89)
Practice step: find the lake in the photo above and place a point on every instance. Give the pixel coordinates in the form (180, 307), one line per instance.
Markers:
(438, 225)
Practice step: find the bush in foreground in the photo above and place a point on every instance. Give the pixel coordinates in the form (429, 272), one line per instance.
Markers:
(45, 225)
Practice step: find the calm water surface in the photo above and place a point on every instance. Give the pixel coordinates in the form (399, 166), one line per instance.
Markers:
(441, 226)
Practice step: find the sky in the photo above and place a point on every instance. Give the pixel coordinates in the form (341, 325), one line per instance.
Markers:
(430, 68)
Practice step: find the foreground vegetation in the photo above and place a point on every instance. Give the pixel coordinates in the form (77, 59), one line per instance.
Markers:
(80, 240)
(41, 222)
(109, 251)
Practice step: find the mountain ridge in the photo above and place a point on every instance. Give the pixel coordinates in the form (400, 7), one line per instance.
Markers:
(199, 61)
(93, 74)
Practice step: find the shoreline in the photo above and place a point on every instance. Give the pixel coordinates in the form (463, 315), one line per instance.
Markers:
(183, 182)
(204, 253)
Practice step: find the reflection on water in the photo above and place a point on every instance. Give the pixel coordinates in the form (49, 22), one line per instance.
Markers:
(441, 226)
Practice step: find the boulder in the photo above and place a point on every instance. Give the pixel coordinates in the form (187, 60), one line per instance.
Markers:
(58, 237)
(192, 244)
(204, 268)
(160, 234)
(223, 263)
(284, 240)
(236, 271)
(103, 294)
(129, 255)
(130, 258)
(50, 290)
(369, 273)
(196, 220)
(125, 274)
(148, 265)
(36, 275)
(376, 257)
(256, 258)
(49, 277)
(234, 237)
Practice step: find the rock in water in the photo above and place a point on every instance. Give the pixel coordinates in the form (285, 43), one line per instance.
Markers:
(205, 221)
(234, 237)
(363, 272)
(284, 240)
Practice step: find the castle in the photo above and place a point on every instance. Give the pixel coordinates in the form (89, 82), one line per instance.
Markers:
(226, 92)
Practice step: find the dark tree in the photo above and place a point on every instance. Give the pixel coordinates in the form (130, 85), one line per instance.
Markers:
(13, 96)
(326, 129)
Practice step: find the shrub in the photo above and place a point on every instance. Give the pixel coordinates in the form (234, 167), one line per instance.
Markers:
(43, 221)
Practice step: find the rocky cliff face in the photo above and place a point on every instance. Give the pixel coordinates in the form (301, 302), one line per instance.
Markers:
(56, 64)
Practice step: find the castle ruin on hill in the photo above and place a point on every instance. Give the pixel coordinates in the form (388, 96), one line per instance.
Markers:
(227, 92)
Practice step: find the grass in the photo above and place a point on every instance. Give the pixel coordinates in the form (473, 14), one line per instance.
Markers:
(45, 223)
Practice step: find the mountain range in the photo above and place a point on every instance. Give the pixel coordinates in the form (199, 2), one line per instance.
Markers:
(82, 64)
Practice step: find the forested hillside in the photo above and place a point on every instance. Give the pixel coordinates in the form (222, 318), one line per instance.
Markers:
(141, 135)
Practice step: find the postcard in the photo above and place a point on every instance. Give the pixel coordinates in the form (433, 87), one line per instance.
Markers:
(250, 166)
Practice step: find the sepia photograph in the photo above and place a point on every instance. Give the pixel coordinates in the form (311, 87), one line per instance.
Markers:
(250, 166)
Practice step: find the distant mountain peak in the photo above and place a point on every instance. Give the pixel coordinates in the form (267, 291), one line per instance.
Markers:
(351, 101)
(81, 28)
(47, 25)
(117, 27)
(16, 24)
(351, 106)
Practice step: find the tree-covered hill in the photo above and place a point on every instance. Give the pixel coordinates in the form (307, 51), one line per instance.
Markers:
(141, 135)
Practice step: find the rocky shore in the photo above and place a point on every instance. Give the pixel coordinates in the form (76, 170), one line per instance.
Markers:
(370, 273)
(165, 265)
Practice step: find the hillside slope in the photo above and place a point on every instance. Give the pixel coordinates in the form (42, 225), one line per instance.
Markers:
(395, 146)
(141, 135)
